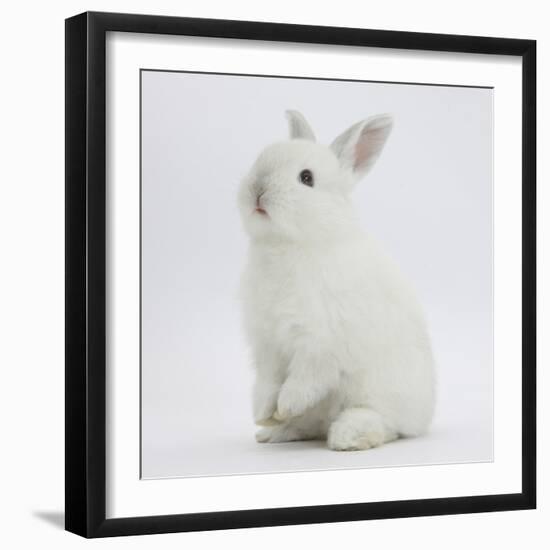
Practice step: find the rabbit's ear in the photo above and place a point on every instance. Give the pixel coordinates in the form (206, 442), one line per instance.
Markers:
(359, 146)
(298, 126)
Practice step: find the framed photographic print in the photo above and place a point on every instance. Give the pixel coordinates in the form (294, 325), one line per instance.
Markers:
(300, 280)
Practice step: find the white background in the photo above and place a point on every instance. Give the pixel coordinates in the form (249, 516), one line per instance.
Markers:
(32, 291)
(429, 201)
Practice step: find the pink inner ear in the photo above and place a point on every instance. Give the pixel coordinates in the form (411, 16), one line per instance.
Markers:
(368, 146)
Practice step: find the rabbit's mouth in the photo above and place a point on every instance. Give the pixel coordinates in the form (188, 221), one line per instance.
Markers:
(259, 208)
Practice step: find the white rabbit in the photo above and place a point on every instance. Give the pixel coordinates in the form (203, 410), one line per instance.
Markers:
(340, 346)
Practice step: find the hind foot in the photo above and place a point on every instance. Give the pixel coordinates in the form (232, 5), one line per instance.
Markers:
(358, 429)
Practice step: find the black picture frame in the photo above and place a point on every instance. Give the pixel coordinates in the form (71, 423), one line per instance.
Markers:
(85, 492)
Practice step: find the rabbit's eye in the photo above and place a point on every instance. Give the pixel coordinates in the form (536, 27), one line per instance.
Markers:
(306, 177)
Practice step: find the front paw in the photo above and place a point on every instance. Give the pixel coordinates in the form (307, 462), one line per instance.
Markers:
(265, 405)
(292, 402)
(269, 421)
(280, 434)
(265, 415)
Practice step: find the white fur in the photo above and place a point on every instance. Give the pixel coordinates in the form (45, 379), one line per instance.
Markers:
(340, 346)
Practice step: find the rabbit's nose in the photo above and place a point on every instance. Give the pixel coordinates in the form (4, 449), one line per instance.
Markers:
(260, 185)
